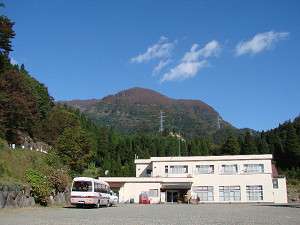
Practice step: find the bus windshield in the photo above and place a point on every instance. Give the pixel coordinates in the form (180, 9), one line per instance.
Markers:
(84, 186)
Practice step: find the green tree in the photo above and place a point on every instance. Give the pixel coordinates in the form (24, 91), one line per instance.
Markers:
(18, 108)
(231, 146)
(292, 146)
(38, 90)
(277, 148)
(249, 145)
(75, 148)
(6, 34)
(58, 119)
(262, 144)
(92, 171)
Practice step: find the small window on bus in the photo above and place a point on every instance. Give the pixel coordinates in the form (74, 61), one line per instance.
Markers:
(96, 187)
(103, 188)
(83, 186)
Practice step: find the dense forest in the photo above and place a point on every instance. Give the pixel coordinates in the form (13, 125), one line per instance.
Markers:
(80, 147)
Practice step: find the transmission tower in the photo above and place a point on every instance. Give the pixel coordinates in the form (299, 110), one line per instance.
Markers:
(162, 116)
(219, 122)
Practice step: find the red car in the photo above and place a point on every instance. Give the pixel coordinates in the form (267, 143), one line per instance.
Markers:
(144, 199)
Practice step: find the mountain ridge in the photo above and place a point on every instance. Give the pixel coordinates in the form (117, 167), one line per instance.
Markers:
(137, 109)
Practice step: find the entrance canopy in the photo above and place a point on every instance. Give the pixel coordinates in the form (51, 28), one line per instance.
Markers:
(177, 186)
(116, 184)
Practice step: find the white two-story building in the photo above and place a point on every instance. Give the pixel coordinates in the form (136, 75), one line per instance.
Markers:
(235, 178)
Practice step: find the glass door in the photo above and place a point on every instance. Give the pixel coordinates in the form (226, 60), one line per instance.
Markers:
(172, 196)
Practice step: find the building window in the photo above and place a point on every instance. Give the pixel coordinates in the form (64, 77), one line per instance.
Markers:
(230, 193)
(153, 193)
(254, 168)
(229, 169)
(204, 169)
(275, 183)
(204, 193)
(148, 172)
(178, 169)
(166, 169)
(254, 193)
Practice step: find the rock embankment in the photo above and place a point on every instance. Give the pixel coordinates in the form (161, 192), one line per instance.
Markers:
(15, 197)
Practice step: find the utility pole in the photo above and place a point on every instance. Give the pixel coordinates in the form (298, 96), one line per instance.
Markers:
(179, 140)
(162, 116)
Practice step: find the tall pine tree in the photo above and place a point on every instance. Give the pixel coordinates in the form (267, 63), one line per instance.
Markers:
(231, 146)
(292, 146)
(249, 145)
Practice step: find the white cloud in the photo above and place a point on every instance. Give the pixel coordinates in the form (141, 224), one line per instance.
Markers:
(184, 70)
(192, 62)
(260, 42)
(162, 64)
(162, 49)
(13, 61)
(212, 48)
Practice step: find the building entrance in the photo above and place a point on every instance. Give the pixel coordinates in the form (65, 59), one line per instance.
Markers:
(178, 196)
(175, 192)
(172, 196)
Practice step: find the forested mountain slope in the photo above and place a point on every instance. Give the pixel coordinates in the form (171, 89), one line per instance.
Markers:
(138, 110)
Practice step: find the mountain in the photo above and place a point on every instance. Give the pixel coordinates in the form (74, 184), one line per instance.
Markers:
(138, 109)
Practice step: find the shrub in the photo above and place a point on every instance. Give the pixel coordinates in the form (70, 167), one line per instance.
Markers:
(59, 179)
(41, 187)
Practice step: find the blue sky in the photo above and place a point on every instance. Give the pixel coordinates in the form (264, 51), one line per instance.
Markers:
(241, 57)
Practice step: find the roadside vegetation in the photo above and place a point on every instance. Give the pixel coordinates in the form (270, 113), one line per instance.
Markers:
(44, 173)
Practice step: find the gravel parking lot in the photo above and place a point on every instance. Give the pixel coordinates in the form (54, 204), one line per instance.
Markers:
(156, 214)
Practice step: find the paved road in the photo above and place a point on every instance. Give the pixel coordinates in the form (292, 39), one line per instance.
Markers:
(235, 214)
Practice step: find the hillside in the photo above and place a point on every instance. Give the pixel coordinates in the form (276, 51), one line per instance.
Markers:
(138, 110)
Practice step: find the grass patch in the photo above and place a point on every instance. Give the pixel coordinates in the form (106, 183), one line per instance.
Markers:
(14, 163)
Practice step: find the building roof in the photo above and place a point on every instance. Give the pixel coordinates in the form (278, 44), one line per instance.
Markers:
(146, 179)
(204, 158)
(274, 171)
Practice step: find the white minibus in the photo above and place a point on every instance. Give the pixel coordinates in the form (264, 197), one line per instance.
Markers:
(89, 191)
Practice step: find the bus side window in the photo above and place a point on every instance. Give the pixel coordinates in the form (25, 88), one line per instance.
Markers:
(97, 189)
(104, 188)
